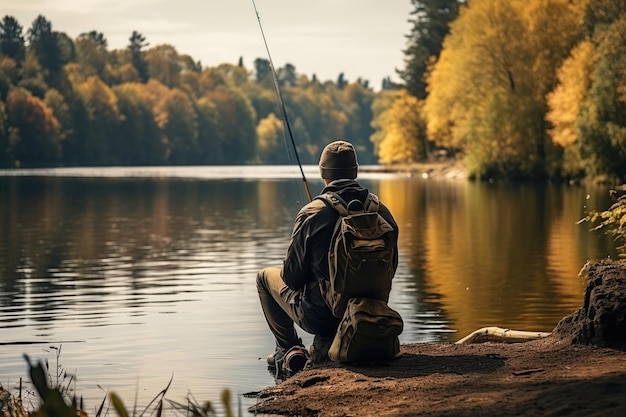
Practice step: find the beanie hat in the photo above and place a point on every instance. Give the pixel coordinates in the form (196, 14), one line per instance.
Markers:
(338, 161)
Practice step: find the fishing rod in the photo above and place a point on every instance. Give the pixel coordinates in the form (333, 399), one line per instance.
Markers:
(281, 104)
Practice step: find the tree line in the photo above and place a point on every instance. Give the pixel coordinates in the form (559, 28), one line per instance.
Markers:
(75, 102)
(517, 88)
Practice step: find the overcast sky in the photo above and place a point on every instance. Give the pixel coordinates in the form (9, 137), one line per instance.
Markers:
(361, 38)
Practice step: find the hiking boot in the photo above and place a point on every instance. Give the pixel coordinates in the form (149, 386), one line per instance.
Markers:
(295, 359)
(275, 357)
(292, 361)
(279, 353)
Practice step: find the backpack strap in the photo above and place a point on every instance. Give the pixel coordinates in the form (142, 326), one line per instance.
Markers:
(335, 201)
(339, 204)
(371, 203)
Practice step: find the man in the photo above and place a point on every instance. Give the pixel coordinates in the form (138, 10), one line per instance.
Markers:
(292, 293)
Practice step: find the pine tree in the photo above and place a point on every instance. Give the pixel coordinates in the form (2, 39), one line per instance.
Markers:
(11, 39)
(44, 44)
(430, 26)
(137, 43)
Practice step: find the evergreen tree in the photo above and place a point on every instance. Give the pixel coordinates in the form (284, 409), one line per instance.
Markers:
(341, 81)
(137, 44)
(388, 84)
(11, 39)
(44, 44)
(287, 75)
(261, 68)
(430, 26)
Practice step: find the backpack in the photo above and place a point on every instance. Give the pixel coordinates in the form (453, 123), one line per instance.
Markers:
(367, 333)
(361, 254)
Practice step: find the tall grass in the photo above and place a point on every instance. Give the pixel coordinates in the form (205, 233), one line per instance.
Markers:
(56, 390)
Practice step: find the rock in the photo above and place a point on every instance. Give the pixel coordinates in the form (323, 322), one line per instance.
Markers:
(601, 320)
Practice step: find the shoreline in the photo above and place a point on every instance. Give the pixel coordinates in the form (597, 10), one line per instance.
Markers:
(446, 169)
(578, 369)
(546, 377)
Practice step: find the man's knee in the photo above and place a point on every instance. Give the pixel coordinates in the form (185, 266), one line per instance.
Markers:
(266, 275)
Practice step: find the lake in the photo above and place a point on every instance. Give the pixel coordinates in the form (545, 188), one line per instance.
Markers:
(129, 277)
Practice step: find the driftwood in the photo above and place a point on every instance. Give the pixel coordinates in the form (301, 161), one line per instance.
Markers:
(498, 334)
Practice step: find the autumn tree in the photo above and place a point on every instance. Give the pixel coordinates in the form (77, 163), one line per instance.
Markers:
(401, 131)
(164, 65)
(237, 124)
(92, 56)
(140, 141)
(152, 106)
(587, 107)
(565, 103)
(6, 159)
(9, 75)
(602, 120)
(61, 110)
(102, 121)
(176, 118)
(271, 146)
(210, 139)
(234, 74)
(262, 99)
(488, 88)
(36, 133)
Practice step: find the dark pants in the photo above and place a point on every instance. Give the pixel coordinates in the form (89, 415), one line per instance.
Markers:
(281, 306)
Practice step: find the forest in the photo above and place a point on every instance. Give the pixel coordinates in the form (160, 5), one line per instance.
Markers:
(501, 84)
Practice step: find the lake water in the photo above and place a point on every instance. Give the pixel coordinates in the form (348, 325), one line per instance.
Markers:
(142, 275)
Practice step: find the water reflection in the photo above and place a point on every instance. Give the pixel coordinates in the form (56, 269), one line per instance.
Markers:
(496, 254)
(155, 275)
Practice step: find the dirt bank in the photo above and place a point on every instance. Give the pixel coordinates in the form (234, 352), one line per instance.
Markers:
(539, 378)
(565, 374)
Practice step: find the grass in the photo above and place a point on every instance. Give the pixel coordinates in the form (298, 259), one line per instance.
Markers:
(56, 390)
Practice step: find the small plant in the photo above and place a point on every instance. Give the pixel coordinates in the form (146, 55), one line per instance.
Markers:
(54, 401)
(613, 221)
(57, 399)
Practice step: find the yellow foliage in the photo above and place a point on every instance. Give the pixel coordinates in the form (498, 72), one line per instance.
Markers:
(482, 57)
(99, 100)
(269, 132)
(402, 137)
(565, 101)
(164, 64)
(550, 39)
(487, 90)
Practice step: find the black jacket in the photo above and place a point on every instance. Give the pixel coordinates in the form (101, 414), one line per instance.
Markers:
(307, 257)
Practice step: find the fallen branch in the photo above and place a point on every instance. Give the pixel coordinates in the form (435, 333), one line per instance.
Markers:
(498, 334)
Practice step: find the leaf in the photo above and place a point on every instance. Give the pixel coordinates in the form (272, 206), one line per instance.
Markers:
(118, 405)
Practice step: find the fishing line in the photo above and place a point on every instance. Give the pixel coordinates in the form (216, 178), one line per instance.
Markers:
(281, 105)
